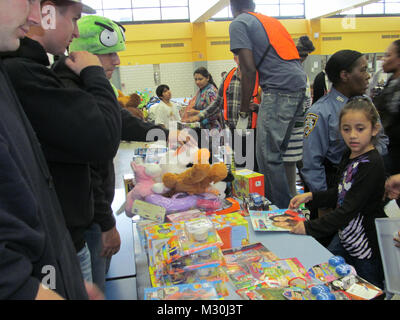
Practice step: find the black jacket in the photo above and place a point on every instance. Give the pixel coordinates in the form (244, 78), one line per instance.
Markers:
(364, 197)
(103, 175)
(74, 126)
(33, 235)
(388, 104)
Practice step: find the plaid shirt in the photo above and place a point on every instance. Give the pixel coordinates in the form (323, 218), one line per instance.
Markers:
(233, 96)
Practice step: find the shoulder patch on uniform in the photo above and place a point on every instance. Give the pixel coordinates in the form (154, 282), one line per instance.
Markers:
(309, 125)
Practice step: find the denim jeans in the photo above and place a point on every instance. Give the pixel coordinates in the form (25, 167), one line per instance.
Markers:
(276, 119)
(85, 263)
(99, 264)
(368, 269)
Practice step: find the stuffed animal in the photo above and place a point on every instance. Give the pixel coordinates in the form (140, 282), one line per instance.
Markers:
(176, 160)
(198, 178)
(145, 175)
(131, 104)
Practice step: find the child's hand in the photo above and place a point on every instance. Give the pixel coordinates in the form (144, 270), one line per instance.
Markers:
(299, 228)
(299, 199)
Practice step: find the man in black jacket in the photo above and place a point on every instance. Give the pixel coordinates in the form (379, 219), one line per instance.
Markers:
(75, 127)
(91, 29)
(36, 250)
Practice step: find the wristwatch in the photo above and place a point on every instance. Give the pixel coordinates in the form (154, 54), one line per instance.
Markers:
(243, 114)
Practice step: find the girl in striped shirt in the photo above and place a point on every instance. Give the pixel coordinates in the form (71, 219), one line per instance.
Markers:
(358, 195)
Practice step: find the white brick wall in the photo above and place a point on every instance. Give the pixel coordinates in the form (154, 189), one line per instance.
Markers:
(217, 67)
(138, 77)
(178, 76)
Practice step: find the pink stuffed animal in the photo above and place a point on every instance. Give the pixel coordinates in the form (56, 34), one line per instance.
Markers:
(145, 173)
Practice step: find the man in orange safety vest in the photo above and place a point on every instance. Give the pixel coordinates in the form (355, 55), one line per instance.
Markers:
(265, 48)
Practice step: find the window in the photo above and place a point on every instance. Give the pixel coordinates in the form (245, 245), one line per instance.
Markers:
(392, 7)
(272, 8)
(379, 8)
(141, 10)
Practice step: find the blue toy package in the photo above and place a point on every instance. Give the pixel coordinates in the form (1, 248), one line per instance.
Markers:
(192, 291)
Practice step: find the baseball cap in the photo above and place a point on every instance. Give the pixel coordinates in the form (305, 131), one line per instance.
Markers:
(85, 8)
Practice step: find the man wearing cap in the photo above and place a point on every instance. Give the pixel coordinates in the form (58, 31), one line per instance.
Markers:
(264, 46)
(38, 258)
(75, 127)
(104, 38)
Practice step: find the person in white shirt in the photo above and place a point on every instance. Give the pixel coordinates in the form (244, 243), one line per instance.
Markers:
(166, 112)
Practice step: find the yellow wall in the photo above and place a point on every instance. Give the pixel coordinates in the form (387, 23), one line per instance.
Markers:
(210, 41)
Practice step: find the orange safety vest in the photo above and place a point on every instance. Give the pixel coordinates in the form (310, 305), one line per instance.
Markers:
(278, 36)
(227, 82)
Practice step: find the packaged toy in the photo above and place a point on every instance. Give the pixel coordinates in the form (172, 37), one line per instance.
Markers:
(232, 229)
(191, 291)
(247, 182)
(185, 215)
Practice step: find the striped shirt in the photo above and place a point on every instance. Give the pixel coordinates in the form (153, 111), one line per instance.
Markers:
(294, 151)
(353, 236)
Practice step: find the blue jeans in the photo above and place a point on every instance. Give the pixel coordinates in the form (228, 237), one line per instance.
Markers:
(99, 264)
(368, 269)
(276, 119)
(85, 263)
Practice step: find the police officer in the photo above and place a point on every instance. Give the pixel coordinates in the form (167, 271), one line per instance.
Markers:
(323, 144)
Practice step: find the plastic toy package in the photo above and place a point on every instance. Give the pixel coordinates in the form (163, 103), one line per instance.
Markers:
(199, 264)
(341, 280)
(229, 205)
(185, 215)
(238, 261)
(255, 202)
(281, 273)
(207, 258)
(192, 291)
(170, 241)
(261, 291)
(350, 287)
(334, 280)
(199, 234)
(156, 238)
(209, 274)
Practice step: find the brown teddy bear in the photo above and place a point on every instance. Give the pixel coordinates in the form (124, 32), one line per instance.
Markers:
(198, 178)
(131, 103)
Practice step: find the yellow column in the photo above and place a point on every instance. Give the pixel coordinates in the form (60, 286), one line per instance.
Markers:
(315, 34)
(199, 42)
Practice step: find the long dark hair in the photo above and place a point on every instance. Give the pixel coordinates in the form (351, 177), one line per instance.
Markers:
(204, 72)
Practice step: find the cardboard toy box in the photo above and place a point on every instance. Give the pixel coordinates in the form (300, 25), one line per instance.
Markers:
(246, 182)
(232, 228)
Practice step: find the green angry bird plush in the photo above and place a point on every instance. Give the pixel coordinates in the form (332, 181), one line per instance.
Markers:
(99, 35)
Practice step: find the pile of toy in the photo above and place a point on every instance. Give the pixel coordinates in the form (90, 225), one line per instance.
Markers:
(197, 240)
(258, 274)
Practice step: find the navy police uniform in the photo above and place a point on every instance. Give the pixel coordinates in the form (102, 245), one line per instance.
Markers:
(323, 144)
